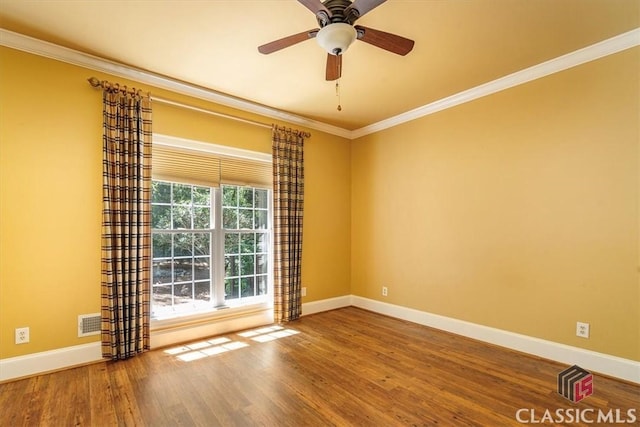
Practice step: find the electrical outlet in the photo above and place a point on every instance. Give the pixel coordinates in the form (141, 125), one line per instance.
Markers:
(582, 330)
(385, 291)
(304, 291)
(22, 335)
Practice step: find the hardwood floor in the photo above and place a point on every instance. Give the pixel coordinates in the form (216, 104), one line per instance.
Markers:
(346, 367)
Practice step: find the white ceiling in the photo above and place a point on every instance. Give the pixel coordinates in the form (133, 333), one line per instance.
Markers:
(459, 44)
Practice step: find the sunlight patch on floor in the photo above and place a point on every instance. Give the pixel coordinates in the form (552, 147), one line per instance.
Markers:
(268, 334)
(201, 349)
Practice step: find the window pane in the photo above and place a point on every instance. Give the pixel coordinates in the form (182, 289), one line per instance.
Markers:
(203, 291)
(229, 196)
(201, 217)
(247, 287)
(183, 270)
(181, 217)
(201, 268)
(261, 285)
(245, 197)
(161, 296)
(261, 264)
(161, 245)
(246, 265)
(182, 294)
(231, 265)
(230, 218)
(201, 244)
(245, 219)
(262, 243)
(181, 194)
(182, 244)
(261, 219)
(161, 272)
(160, 217)
(232, 288)
(202, 196)
(261, 199)
(247, 243)
(231, 241)
(160, 192)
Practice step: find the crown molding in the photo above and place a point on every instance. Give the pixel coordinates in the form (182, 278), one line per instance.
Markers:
(604, 48)
(590, 53)
(49, 50)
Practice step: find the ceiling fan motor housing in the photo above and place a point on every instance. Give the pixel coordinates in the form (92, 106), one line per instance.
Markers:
(340, 12)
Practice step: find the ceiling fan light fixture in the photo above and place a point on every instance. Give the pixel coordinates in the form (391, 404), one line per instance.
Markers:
(336, 38)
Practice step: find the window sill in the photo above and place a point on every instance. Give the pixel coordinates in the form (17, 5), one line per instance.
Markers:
(217, 313)
(179, 329)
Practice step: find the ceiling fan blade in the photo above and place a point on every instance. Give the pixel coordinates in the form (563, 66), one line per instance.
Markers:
(334, 67)
(387, 41)
(286, 41)
(362, 6)
(315, 6)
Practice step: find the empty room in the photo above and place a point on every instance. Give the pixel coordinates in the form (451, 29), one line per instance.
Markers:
(319, 213)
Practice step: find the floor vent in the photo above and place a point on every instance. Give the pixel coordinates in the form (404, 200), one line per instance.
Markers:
(89, 324)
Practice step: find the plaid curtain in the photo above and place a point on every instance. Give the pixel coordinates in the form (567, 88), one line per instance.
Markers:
(288, 197)
(126, 229)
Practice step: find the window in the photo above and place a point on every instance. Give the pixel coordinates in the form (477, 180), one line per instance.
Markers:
(188, 276)
(245, 213)
(211, 241)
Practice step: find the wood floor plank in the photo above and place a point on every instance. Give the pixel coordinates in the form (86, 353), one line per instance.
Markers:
(346, 367)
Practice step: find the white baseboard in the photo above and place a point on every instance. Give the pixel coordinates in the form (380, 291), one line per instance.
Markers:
(617, 367)
(629, 370)
(47, 361)
(326, 305)
(68, 357)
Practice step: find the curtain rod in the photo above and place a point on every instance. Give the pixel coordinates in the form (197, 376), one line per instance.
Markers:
(226, 116)
(213, 113)
(93, 81)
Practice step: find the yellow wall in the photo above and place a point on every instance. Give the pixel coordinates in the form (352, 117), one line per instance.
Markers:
(50, 196)
(517, 211)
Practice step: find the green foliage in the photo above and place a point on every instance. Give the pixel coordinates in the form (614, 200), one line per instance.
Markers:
(202, 196)
(160, 217)
(160, 192)
(245, 197)
(248, 243)
(245, 219)
(181, 216)
(161, 245)
(182, 194)
(183, 244)
(201, 244)
(229, 196)
(230, 218)
(231, 243)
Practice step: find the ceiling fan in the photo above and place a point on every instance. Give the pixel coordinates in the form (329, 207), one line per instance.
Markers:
(337, 32)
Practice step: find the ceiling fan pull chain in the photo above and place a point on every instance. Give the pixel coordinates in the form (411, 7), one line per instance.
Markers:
(338, 94)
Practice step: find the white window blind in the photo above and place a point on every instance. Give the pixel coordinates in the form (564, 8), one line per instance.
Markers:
(180, 164)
